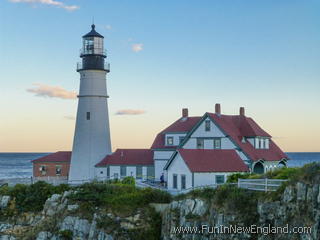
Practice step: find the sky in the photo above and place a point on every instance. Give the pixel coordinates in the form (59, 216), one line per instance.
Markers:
(164, 55)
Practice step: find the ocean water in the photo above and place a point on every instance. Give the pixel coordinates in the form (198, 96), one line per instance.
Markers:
(18, 165)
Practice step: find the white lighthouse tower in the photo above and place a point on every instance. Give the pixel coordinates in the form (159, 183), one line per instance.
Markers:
(92, 133)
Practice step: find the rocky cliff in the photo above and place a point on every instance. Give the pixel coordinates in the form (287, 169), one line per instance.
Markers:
(296, 210)
(107, 212)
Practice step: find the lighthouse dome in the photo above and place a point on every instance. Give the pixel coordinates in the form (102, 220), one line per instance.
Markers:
(93, 33)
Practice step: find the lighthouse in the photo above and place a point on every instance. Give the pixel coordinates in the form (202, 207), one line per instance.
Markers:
(91, 141)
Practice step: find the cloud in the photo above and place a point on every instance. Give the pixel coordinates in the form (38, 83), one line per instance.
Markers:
(108, 27)
(137, 47)
(69, 117)
(54, 3)
(43, 90)
(130, 112)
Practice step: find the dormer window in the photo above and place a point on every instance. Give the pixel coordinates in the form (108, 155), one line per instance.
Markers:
(207, 126)
(261, 143)
(170, 141)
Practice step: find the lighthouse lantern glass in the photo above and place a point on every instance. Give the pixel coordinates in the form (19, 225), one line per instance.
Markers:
(93, 45)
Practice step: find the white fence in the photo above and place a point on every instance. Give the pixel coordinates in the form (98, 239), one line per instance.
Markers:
(265, 184)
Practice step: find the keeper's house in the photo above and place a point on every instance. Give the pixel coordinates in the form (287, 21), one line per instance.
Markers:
(193, 151)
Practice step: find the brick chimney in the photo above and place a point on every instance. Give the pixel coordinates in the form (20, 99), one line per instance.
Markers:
(242, 111)
(185, 112)
(218, 108)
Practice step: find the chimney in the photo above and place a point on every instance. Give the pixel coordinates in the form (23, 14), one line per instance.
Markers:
(242, 112)
(218, 108)
(185, 112)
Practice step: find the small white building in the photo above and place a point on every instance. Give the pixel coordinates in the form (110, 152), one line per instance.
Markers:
(190, 168)
(137, 163)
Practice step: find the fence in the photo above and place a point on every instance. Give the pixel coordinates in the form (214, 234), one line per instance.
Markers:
(265, 184)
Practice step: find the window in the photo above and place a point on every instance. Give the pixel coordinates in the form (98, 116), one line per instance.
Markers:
(169, 140)
(175, 181)
(219, 179)
(108, 172)
(262, 143)
(139, 172)
(58, 170)
(88, 115)
(43, 169)
(217, 143)
(123, 171)
(150, 172)
(183, 181)
(200, 143)
(207, 126)
(257, 143)
(181, 139)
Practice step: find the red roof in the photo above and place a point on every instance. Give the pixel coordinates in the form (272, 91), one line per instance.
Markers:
(61, 156)
(128, 157)
(216, 160)
(181, 125)
(238, 127)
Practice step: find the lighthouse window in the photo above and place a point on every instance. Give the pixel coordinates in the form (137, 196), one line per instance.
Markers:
(88, 115)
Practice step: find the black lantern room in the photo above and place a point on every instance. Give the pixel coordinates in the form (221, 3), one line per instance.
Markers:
(92, 53)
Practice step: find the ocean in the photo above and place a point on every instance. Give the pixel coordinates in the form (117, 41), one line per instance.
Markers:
(18, 165)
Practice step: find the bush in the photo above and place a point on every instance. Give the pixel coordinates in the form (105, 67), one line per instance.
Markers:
(128, 180)
(32, 197)
(66, 234)
(120, 197)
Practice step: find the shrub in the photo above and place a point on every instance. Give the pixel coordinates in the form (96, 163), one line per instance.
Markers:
(128, 180)
(32, 197)
(66, 234)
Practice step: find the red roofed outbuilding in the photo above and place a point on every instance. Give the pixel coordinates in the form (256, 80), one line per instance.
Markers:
(53, 168)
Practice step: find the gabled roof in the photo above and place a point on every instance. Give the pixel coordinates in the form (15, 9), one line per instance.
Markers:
(128, 157)
(213, 160)
(237, 127)
(181, 125)
(61, 156)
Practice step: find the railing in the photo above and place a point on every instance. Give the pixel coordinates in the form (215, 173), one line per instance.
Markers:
(265, 184)
(98, 51)
(106, 67)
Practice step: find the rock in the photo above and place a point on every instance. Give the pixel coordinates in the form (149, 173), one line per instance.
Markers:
(51, 205)
(4, 201)
(127, 225)
(301, 191)
(5, 226)
(68, 223)
(104, 236)
(79, 227)
(7, 237)
(160, 207)
(200, 207)
(289, 194)
(73, 207)
(65, 195)
(44, 236)
(187, 206)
